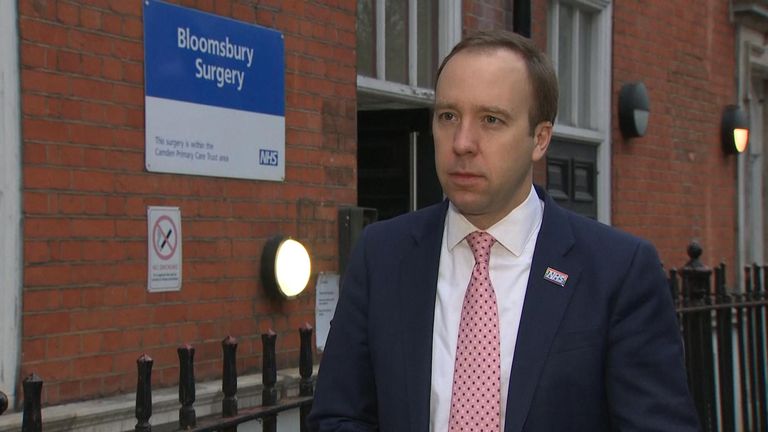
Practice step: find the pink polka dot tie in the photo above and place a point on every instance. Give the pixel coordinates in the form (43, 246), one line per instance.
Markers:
(476, 398)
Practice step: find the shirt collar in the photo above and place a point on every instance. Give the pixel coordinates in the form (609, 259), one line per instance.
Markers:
(512, 232)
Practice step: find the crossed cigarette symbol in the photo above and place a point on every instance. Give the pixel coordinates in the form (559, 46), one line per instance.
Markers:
(166, 237)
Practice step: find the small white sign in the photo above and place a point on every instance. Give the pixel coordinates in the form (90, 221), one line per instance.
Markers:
(326, 297)
(164, 239)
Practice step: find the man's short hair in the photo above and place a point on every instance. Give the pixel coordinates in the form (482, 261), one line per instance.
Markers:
(541, 74)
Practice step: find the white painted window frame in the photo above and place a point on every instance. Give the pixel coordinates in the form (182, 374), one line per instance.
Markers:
(752, 60)
(449, 33)
(600, 134)
(10, 202)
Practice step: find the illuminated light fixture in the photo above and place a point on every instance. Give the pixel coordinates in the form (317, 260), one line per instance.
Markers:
(734, 130)
(634, 110)
(285, 266)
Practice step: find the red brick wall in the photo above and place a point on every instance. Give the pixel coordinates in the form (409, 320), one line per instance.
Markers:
(675, 184)
(86, 313)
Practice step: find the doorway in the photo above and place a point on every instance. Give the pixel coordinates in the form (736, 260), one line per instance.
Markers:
(396, 161)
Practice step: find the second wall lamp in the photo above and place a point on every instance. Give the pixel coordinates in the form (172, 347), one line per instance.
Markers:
(634, 110)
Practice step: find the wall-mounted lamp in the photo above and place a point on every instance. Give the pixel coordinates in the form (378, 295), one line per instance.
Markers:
(734, 130)
(634, 109)
(285, 266)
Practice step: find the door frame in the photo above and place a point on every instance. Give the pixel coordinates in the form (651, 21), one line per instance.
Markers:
(752, 63)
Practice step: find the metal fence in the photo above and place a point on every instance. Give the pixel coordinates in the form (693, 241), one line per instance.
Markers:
(230, 416)
(724, 333)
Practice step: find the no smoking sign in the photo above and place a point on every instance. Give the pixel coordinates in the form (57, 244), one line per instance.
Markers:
(164, 238)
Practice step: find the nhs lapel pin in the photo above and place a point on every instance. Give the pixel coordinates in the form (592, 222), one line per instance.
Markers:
(556, 277)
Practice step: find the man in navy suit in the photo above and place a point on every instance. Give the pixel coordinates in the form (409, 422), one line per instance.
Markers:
(588, 339)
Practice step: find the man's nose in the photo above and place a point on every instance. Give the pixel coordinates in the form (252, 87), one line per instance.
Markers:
(465, 139)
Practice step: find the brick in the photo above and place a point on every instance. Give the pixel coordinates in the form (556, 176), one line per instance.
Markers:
(96, 181)
(91, 89)
(112, 23)
(68, 13)
(125, 8)
(46, 178)
(133, 72)
(41, 324)
(92, 228)
(112, 69)
(69, 62)
(88, 42)
(127, 50)
(92, 365)
(126, 94)
(34, 56)
(63, 346)
(45, 130)
(90, 18)
(40, 300)
(42, 31)
(91, 65)
(133, 28)
(91, 343)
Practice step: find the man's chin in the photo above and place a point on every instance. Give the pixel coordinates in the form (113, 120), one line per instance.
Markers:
(467, 206)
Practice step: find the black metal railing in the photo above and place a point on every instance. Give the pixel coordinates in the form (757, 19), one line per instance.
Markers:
(724, 336)
(231, 416)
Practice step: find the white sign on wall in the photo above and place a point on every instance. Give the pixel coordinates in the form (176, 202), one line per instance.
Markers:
(164, 251)
(214, 95)
(326, 297)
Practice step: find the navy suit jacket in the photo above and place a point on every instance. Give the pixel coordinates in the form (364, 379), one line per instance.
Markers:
(601, 353)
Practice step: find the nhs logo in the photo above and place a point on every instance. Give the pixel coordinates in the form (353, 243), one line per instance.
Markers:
(268, 157)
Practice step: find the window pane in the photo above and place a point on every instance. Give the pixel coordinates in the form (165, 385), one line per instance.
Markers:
(565, 63)
(366, 38)
(586, 70)
(396, 36)
(427, 43)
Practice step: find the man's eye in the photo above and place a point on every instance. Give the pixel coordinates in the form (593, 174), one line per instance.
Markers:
(492, 119)
(447, 116)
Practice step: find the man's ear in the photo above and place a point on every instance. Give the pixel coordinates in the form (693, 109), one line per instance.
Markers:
(541, 138)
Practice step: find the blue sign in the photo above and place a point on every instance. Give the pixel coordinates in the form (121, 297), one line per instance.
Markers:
(214, 95)
(201, 58)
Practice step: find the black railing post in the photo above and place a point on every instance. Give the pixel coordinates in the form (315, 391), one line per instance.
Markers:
(674, 287)
(751, 354)
(144, 394)
(725, 350)
(3, 402)
(305, 370)
(759, 350)
(32, 419)
(269, 378)
(187, 417)
(229, 377)
(229, 380)
(742, 317)
(698, 326)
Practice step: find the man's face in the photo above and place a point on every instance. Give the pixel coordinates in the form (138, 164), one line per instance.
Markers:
(484, 150)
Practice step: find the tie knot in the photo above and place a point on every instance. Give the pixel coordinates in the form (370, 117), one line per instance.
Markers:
(480, 242)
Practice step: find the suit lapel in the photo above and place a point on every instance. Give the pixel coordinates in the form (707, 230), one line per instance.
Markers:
(543, 308)
(417, 292)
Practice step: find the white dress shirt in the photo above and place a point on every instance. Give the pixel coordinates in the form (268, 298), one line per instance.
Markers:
(510, 264)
